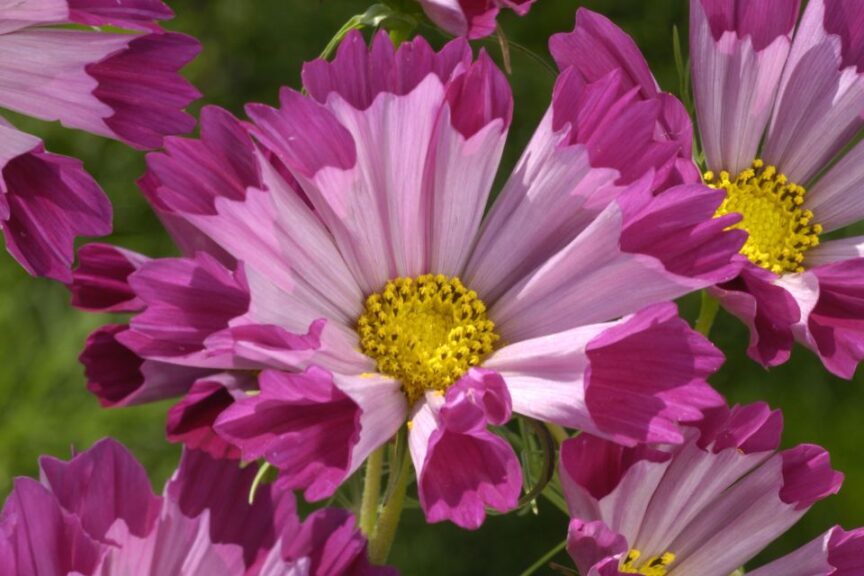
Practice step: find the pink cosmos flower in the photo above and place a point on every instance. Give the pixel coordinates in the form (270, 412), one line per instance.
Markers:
(96, 515)
(120, 85)
(338, 266)
(775, 112)
(703, 508)
(470, 18)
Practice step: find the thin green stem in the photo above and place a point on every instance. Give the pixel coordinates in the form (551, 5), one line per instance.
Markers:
(707, 314)
(545, 559)
(388, 522)
(558, 432)
(371, 491)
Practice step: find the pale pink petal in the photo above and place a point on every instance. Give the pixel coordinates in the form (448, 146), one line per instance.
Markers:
(762, 505)
(669, 246)
(834, 553)
(632, 380)
(836, 199)
(835, 251)
(177, 545)
(223, 186)
(736, 62)
(607, 482)
(22, 14)
(821, 98)
(596, 138)
(117, 85)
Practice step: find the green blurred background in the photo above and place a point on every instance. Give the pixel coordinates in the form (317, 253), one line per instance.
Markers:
(251, 48)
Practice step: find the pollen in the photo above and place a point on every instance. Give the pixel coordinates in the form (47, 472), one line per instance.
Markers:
(426, 332)
(653, 566)
(780, 230)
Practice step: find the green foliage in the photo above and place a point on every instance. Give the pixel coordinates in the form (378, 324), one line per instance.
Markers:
(251, 48)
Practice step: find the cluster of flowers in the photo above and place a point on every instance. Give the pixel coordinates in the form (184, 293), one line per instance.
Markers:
(341, 283)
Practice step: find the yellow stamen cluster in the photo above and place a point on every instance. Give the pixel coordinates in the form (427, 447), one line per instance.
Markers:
(426, 332)
(770, 206)
(654, 566)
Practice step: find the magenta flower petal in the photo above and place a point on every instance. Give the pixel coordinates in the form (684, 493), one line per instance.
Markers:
(631, 397)
(48, 200)
(187, 299)
(471, 18)
(835, 325)
(132, 14)
(101, 280)
(191, 420)
(808, 476)
(767, 309)
(101, 485)
(302, 424)
(332, 543)
(462, 467)
(119, 377)
(143, 87)
(255, 527)
(589, 543)
(38, 537)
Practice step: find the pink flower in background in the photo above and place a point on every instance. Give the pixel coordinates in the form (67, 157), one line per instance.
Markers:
(703, 508)
(471, 18)
(96, 515)
(775, 112)
(337, 263)
(120, 85)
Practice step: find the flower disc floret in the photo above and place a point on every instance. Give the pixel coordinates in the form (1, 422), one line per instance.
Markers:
(654, 566)
(780, 231)
(426, 332)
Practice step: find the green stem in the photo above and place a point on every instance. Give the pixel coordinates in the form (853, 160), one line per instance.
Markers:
(388, 522)
(707, 314)
(545, 559)
(371, 491)
(558, 432)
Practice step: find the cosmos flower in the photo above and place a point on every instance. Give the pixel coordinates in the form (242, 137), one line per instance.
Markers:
(96, 515)
(340, 278)
(470, 18)
(704, 508)
(775, 113)
(120, 85)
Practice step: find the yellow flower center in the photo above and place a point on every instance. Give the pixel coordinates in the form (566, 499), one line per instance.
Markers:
(770, 207)
(426, 332)
(653, 566)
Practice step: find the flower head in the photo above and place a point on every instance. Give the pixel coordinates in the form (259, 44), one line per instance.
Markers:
(120, 85)
(703, 508)
(338, 265)
(776, 111)
(96, 515)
